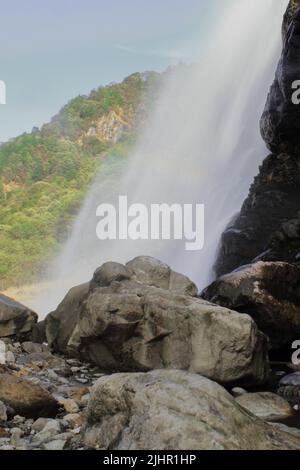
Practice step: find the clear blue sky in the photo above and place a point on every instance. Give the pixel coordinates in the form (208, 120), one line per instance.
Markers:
(53, 50)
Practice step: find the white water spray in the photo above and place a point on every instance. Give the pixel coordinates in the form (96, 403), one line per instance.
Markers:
(201, 145)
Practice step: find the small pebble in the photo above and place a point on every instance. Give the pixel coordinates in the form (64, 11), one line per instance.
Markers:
(81, 380)
(19, 419)
(3, 412)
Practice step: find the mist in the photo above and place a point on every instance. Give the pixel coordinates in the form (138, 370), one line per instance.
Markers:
(201, 145)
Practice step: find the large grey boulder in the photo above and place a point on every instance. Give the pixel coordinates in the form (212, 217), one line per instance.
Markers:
(15, 318)
(269, 292)
(153, 272)
(140, 317)
(174, 410)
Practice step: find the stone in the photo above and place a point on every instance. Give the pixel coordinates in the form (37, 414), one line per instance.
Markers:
(46, 359)
(130, 326)
(64, 372)
(266, 405)
(76, 430)
(74, 420)
(53, 426)
(63, 380)
(10, 357)
(291, 379)
(50, 432)
(12, 348)
(4, 433)
(152, 272)
(26, 398)
(289, 388)
(15, 440)
(58, 444)
(76, 393)
(40, 424)
(108, 273)
(73, 362)
(259, 232)
(267, 227)
(3, 350)
(140, 270)
(38, 333)
(294, 431)
(85, 399)
(52, 375)
(269, 292)
(81, 380)
(15, 318)
(18, 420)
(176, 410)
(58, 324)
(69, 405)
(10, 412)
(29, 347)
(3, 412)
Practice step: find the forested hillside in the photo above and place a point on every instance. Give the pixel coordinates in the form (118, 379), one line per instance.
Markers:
(45, 175)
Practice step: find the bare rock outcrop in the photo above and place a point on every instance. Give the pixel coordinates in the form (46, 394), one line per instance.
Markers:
(144, 316)
(269, 292)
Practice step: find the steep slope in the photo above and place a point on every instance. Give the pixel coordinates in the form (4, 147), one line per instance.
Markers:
(44, 175)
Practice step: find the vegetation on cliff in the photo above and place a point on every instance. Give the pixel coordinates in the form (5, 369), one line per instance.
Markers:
(45, 175)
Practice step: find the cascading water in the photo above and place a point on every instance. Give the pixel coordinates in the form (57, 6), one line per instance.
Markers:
(201, 145)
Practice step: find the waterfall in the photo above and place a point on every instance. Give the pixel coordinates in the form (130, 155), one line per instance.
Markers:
(201, 144)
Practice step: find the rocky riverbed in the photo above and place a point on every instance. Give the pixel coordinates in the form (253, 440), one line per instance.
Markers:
(135, 359)
(42, 398)
(50, 402)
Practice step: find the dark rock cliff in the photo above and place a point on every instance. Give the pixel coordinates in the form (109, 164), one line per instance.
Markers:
(280, 122)
(268, 226)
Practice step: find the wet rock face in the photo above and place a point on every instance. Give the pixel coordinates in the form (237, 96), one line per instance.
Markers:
(268, 226)
(144, 316)
(269, 292)
(173, 410)
(15, 318)
(280, 122)
(262, 229)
